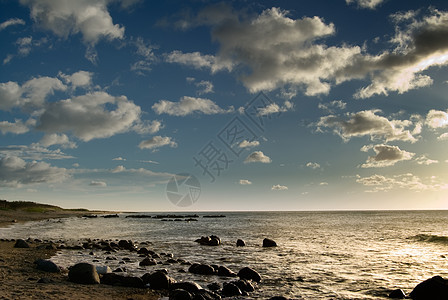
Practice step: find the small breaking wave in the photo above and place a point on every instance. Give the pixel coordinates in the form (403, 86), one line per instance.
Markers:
(431, 238)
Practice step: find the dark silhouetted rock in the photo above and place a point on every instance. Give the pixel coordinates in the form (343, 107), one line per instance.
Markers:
(214, 286)
(180, 294)
(278, 298)
(248, 273)
(435, 288)
(244, 285)
(128, 245)
(83, 273)
(189, 286)
(119, 270)
(269, 243)
(119, 280)
(397, 294)
(158, 280)
(230, 290)
(226, 272)
(206, 295)
(240, 243)
(202, 269)
(212, 240)
(21, 244)
(143, 251)
(47, 266)
(147, 262)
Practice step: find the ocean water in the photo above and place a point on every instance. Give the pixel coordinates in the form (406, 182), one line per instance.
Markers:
(321, 255)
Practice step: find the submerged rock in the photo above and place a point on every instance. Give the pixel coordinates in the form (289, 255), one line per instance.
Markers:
(435, 288)
(180, 294)
(212, 240)
(397, 294)
(269, 243)
(202, 269)
(189, 286)
(83, 273)
(240, 243)
(250, 274)
(158, 280)
(230, 290)
(119, 280)
(147, 262)
(226, 272)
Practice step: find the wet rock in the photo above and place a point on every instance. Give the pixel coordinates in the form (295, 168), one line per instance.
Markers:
(47, 266)
(45, 280)
(230, 290)
(83, 273)
(225, 272)
(202, 269)
(180, 294)
(250, 274)
(244, 285)
(119, 280)
(143, 251)
(21, 244)
(240, 243)
(158, 280)
(147, 262)
(189, 286)
(397, 294)
(435, 288)
(214, 286)
(128, 245)
(206, 295)
(269, 243)
(212, 240)
(278, 298)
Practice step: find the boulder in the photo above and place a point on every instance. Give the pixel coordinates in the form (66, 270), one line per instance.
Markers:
(128, 245)
(147, 262)
(397, 294)
(180, 294)
(21, 244)
(250, 274)
(230, 290)
(47, 266)
(269, 243)
(158, 280)
(214, 286)
(435, 288)
(240, 243)
(244, 285)
(202, 269)
(225, 272)
(278, 298)
(83, 273)
(206, 295)
(119, 280)
(212, 240)
(189, 286)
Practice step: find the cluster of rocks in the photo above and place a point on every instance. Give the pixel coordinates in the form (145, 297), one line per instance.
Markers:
(213, 240)
(435, 288)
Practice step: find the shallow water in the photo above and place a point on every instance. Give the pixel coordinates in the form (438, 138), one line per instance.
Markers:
(321, 255)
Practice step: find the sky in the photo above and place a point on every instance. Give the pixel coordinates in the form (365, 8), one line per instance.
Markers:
(266, 105)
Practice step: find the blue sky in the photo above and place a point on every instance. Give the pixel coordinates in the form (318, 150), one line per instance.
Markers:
(271, 105)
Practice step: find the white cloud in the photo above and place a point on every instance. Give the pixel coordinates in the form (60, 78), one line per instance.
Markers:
(57, 139)
(313, 165)
(332, 106)
(119, 158)
(206, 87)
(424, 160)
(151, 127)
(15, 172)
(443, 137)
(385, 156)
(32, 152)
(279, 187)
(66, 17)
(75, 165)
(98, 183)
(146, 51)
(323, 183)
(11, 22)
(368, 123)
(408, 181)
(245, 182)
(274, 108)
(118, 169)
(90, 116)
(149, 162)
(247, 144)
(198, 61)
(436, 119)
(370, 4)
(157, 142)
(189, 105)
(257, 156)
(78, 79)
(18, 127)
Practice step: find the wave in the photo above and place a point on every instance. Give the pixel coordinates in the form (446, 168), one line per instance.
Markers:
(431, 238)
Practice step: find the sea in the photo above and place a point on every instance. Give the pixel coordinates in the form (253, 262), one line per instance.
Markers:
(320, 255)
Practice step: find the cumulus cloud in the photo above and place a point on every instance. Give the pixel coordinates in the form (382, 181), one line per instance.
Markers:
(198, 61)
(11, 22)
(258, 156)
(245, 182)
(370, 4)
(77, 79)
(385, 156)
(98, 183)
(57, 139)
(332, 106)
(368, 123)
(189, 105)
(16, 127)
(274, 108)
(90, 116)
(313, 165)
(409, 181)
(34, 151)
(247, 144)
(157, 142)
(437, 119)
(279, 187)
(425, 160)
(443, 137)
(15, 172)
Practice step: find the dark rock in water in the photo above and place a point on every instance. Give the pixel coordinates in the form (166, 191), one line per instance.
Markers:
(226, 272)
(397, 294)
(269, 243)
(230, 290)
(47, 266)
(206, 295)
(278, 298)
(212, 240)
(158, 280)
(191, 287)
(214, 216)
(214, 286)
(119, 280)
(83, 273)
(240, 243)
(435, 288)
(128, 245)
(21, 244)
(111, 216)
(244, 285)
(119, 270)
(248, 273)
(45, 280)
(147, 262)
(201, 269)
(180, 294)
(143, 251)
